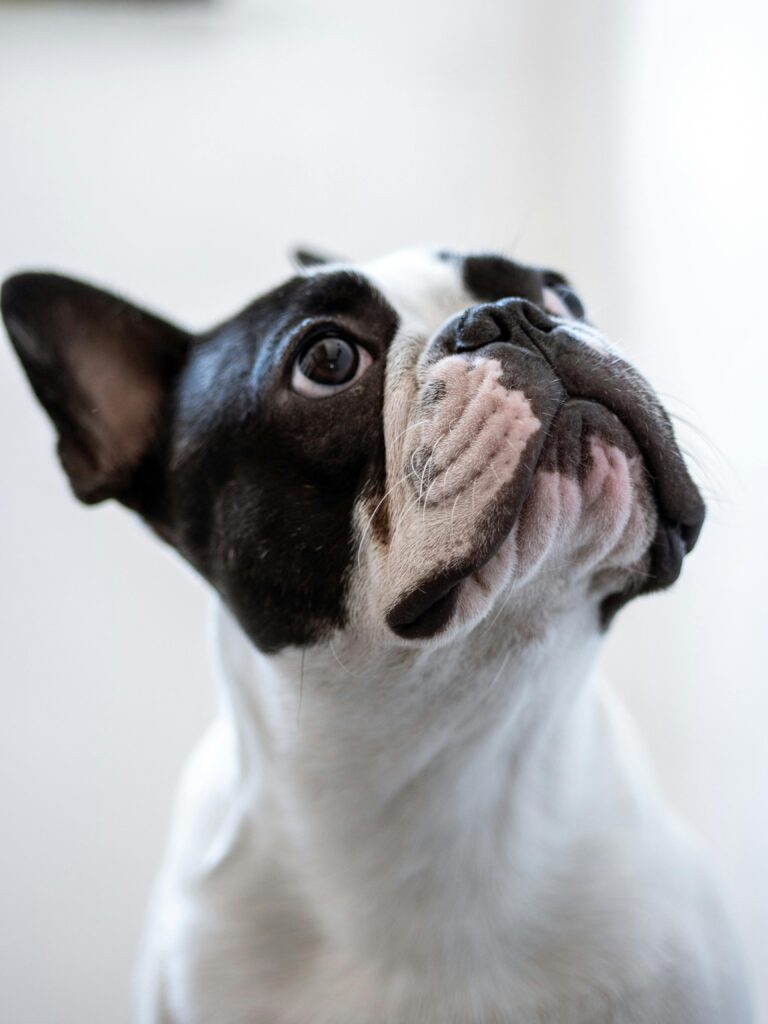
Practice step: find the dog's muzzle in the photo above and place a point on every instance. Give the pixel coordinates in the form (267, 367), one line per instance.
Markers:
(559, 366)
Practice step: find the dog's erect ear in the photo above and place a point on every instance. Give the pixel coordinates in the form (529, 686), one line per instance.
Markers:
(305, 259)
(102, 368)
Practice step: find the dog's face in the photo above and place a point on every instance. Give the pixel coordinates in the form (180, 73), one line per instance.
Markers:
(395, 448)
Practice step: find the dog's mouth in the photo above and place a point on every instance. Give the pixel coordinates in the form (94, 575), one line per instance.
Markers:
(425, 610)
(615, 405)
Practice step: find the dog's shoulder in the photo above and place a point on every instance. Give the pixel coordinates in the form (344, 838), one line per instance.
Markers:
(702, 983)
(698, 975)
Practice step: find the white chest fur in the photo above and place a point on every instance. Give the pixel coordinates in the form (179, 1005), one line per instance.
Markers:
(442, 843)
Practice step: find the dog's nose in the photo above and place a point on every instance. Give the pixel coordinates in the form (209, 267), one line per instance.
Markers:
(517, 321)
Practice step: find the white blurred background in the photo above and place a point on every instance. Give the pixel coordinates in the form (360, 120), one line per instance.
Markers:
(175, 151)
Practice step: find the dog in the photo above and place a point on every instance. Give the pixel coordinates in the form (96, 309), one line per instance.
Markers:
(421, 488)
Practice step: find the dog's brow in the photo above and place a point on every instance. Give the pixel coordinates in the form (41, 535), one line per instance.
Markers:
(346, 276)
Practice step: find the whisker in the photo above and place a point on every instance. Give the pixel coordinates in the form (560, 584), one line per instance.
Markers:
(413, 503)
(301, 685)
(453, 512)
(349, 671)
(369, 525)
(411, 426)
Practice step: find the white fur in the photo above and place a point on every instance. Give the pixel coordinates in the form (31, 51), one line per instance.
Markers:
(463, 837)
(460, 832)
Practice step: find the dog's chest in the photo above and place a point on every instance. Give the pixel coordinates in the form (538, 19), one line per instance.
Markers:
(319, 878)
(239, 960)
(243, 934)
(277, 967)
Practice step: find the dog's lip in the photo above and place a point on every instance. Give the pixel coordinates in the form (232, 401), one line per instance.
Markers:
(635, 405)
(427, 608)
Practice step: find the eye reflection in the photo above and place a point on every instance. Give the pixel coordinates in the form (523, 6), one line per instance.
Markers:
(330, 361)
(328, 365)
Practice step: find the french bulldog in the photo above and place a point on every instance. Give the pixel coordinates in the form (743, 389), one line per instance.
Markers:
(421, 488)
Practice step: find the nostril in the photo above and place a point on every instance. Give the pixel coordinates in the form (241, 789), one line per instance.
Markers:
(481, 326)
(516, 321)
(538, 318)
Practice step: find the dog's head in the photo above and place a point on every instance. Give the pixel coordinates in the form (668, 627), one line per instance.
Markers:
(394, 448)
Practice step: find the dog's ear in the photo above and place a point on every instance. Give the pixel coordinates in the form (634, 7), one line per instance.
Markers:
(305, 259)
(102, 369)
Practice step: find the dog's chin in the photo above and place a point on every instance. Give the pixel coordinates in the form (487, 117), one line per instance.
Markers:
(586, 508)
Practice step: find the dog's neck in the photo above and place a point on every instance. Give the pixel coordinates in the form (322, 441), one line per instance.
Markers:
(395, 777)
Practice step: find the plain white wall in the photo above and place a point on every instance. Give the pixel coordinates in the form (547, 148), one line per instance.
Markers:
(174, 152)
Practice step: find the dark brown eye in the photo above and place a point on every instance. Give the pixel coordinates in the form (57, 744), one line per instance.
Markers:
(330, 361)
(328, 365)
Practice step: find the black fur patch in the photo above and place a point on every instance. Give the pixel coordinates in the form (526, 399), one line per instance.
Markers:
(254, 483)
(262, 481)
(491, 278)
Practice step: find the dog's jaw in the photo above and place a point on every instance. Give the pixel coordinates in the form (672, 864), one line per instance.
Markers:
(460, 460)
(585, 509)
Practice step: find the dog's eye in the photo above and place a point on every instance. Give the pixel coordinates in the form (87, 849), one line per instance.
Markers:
(327, 365)
(561, 300)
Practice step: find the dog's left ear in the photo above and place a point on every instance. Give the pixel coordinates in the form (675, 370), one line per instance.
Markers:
(103, 370)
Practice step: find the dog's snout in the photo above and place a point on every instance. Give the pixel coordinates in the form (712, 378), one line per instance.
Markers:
(511, 320)
(479, 326)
